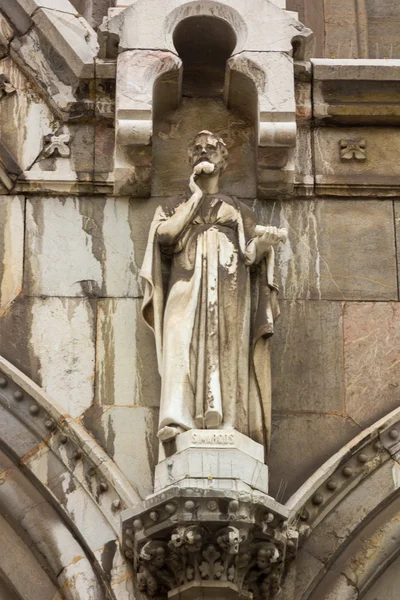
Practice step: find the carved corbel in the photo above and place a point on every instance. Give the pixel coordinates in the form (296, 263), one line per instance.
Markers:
(272, 105)
(137, 73)
(235, 545)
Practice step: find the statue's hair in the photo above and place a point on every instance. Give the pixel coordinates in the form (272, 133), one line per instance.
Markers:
(220, 141)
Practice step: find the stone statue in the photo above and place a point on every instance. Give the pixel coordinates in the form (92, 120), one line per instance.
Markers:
(211, 300)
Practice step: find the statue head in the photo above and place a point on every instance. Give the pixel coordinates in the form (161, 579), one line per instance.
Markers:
(209, 149)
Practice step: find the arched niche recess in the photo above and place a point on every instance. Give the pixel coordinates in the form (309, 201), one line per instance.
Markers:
(204, 44)
(246, 50)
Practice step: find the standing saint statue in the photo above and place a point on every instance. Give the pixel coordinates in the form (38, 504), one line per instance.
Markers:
(211, 300)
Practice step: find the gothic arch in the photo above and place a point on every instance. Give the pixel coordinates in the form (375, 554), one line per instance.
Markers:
(348, 518)
(61, 491)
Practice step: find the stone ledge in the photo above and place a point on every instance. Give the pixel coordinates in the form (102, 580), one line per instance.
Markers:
(356, 92)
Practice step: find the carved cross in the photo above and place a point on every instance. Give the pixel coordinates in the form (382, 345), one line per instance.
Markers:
(353, 149)
(57, 144)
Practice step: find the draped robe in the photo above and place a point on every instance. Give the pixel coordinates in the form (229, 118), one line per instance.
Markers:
(211, 301)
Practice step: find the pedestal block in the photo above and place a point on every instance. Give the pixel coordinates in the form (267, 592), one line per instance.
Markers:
(207, 459)
(210, 529)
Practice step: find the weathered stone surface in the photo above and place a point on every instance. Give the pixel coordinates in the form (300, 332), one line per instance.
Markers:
(336, 250)
(6, 35)
(312, 15)
(52, 341)
(126, 366)
(28, 52)
(71, 37)
(134, 449)
(387, 585)
(268, 28)
(308, 337)
(371, 360)
(17, 558)
(342, 32)
(300, 444)
(82, 148)
(356, 92)
(81, 246)
(397, 226)
(11, 248)
(25, 118)
(304, 169)
(104, 151)
(355, 507)
(380, 169)
(383, 25)
(62, 338)
(175, 130)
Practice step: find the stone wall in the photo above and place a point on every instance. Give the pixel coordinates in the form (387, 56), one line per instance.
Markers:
(71, 246)
(75, 326)
(351, 28)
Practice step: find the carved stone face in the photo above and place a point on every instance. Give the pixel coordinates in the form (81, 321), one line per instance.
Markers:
(208, 148)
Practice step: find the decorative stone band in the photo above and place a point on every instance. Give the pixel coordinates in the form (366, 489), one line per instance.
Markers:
(45, 440)
(237, 543)
(341, 474)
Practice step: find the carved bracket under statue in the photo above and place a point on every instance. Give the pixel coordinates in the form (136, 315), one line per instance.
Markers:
(211, 531)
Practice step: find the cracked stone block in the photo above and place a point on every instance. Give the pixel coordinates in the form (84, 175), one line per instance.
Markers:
(16, 558)
(309, 336)
(6, 35)
(11, 248)
(128, 435)
(387, 585)
(371, 360)
(379, 170)
(52, 341)
(344, 519)
(81, 247)
(25, 118)
(126, 366)
(71, 37)
(300, 444)
(341, 29)
(336, 250)
(383, 27)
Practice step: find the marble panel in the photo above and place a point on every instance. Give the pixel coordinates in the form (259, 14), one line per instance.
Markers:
(337, 249)
(11, 248)
(25, 118)
(377, 172)
(81, 247)
(128, 435)
(52, 341)
(371, 360)
(300, 444)
(126, 365)
(341, 40)
(383, 28)
(308, 337)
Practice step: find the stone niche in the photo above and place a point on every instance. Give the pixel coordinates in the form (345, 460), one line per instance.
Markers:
(210, 528)
(224, 66)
